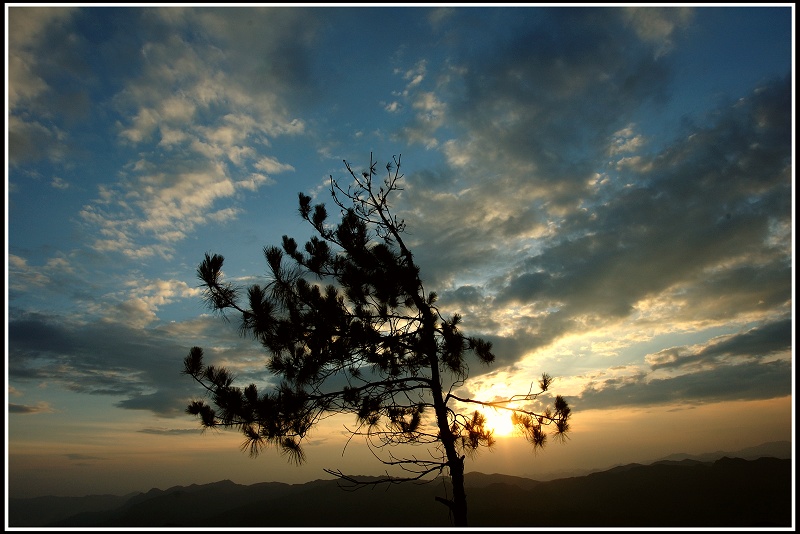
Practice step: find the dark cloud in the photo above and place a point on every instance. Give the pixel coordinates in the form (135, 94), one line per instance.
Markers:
(552, 95)
(83, 457)
(139, 368)
(756, 343)
(100, 359)
(534, 109)
(690, 221)
(31, 141)
(749, 381)
(272, 44)
(466, 295)
(169, 431)
(154, 402)
(40, 333)
(26, 409)
(58, 65)
(530, 286)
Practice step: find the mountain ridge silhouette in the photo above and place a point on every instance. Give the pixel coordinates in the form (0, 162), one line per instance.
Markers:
(728, 492)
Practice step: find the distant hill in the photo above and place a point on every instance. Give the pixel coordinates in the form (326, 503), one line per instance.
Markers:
(772, 449)
(728, 492)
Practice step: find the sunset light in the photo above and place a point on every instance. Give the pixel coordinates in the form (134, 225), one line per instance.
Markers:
(499, 421)
(600, 197)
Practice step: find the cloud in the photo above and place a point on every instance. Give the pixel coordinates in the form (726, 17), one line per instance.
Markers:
(656, 25)
(733, 382)
(640, 239)
(549, 108)
(272, 166)
(753, 364)
(41, 407)
(138, 367)
(212, 117)
(50, 81)
(59, 183)
(97, 359)
(430, 111)
(73, 280)
(438, 16)
(530, 126)
(169, 431)
(30, 140)
(23, 277)
(167, 206)
(757, 343)
(28, 26)
(77, 457)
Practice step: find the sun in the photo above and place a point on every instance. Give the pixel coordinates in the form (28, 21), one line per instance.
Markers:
(498, 421)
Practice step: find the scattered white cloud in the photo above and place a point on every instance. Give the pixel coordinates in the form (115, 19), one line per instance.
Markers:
(658, 24)
(59, 183)
(30, 140)
(272, 166)
(23, 277)
(440, 15)
(392, 107)
(138, 307)
(625, 141)
(27, 26)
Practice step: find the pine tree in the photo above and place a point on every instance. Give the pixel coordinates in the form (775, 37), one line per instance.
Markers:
(349, 328)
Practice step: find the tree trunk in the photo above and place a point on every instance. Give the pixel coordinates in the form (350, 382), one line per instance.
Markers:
(459, 507)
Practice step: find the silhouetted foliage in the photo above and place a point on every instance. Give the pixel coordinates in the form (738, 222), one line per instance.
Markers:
(350, 328)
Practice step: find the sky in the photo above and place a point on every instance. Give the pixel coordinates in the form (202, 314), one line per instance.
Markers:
(606, 194)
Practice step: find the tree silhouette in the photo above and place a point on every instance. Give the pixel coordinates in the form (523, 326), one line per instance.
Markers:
(371, 342)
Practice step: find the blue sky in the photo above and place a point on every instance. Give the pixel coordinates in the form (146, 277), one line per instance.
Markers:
(604, 193)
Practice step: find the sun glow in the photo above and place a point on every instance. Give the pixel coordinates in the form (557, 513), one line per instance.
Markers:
(498, 421)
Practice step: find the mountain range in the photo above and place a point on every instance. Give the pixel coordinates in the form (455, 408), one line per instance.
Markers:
(747, 488)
